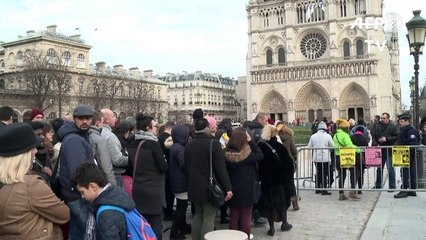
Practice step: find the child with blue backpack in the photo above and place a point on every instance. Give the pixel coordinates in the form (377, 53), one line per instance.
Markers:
(112, 211)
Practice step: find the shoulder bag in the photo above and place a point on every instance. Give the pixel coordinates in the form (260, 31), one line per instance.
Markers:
(217, 194)
(127, 180)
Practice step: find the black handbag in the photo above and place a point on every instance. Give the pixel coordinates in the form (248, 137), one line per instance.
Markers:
(217, 195)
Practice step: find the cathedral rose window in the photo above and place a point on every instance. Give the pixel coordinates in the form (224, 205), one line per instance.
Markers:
(313, 45)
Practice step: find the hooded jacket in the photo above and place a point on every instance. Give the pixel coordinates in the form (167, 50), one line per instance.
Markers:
(178, 180)
(100, 151)
(241, 167)
(321, 139)
(111, 223)
(75, 149)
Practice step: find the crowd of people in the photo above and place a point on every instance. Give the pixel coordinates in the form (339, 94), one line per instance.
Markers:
(55, 177)
(383, 132)
(69, 168)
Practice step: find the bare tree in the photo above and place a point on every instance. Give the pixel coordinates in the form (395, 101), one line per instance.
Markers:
(113, 87)
(97, 96)
(140, 95)
(46, 75)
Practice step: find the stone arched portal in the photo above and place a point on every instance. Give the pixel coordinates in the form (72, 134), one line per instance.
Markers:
(275, 105)
(312, 102)
(354, 102)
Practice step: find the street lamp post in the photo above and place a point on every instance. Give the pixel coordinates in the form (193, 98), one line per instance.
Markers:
(416, 38)
(412, 89)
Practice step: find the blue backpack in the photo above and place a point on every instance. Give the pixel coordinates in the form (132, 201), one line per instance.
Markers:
(136, 225)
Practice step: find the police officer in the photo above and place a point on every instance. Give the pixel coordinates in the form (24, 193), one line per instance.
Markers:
(408, 135)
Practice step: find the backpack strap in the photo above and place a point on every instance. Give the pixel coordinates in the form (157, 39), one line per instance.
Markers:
(108, 207)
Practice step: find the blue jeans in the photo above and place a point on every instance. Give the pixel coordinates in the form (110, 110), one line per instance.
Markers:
(79, 213)
(386, 159)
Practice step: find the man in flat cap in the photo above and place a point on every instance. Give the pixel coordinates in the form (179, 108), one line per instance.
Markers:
(408, 135)
(75, 149)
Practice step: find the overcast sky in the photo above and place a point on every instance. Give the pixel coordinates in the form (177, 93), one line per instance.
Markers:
(166, 35)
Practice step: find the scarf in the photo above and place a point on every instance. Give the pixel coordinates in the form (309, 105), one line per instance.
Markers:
(91, 221)
(145, 135)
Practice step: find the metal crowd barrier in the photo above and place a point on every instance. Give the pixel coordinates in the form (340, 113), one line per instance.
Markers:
(366, 167)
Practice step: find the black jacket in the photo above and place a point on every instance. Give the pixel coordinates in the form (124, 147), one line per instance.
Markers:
(274, 171)
(389, 131)
(197, 166)
(178, 180)
(241, 167)
(148, 182)
(111, 223)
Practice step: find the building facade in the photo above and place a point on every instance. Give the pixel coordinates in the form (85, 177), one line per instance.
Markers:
(51, 71)
(306, 61)
(211, 92)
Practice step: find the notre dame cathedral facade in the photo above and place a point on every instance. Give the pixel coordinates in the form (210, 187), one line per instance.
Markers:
(305, 60)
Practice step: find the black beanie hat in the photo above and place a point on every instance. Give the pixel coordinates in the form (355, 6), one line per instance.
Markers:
(17, 138)
(198, 113)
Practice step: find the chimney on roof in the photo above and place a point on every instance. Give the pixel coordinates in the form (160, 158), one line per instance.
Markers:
(75, 37)
(118, 67)
(30, 33)
(51, 28)
(148, 73)
(134, 71)
(100, 65)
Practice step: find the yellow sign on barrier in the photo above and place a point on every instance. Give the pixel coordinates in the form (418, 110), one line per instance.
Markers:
(347, 157)
(401, 156)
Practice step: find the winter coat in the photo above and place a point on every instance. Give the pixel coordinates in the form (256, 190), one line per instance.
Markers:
(242, 170)
(148, 182)
(321, 139)
(119, 161)
(75, 149)
(30, 210)
(342, 139)
(389, 131)
(197, 167)
(100, 150)
(178, 180)
(255, 131)
(286, 136)
(275, 174)
(111, 224)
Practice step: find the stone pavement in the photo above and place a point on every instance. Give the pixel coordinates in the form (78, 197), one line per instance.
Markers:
(319, 217)
(397, 218)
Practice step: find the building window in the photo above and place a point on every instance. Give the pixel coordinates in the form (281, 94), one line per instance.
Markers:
(81, 85)
(342, 6)
(80, 60)
(359, 48)
(313, 45)
(2, 85)
(346, 50)
(66, 58)
(51, 55)
(20, 57)
(269, 57)
(359, 7)
(2, 65)
(281, 56)
(310, 11)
